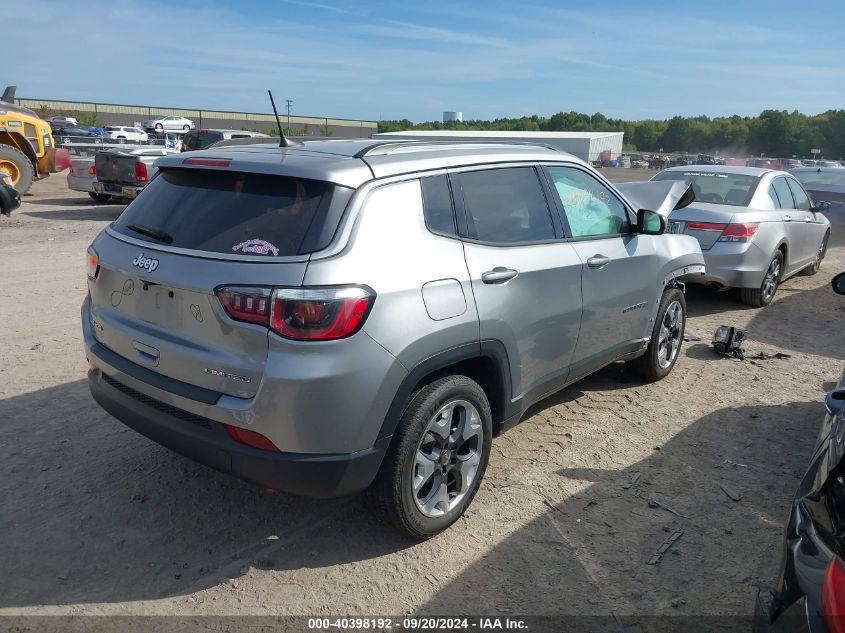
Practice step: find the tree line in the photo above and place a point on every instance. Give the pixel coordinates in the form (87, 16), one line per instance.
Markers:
(774, 133)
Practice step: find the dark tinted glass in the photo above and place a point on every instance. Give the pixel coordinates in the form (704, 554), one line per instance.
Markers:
(200, 140)
(235, 212)
(782, 191)
(506, 205)
(437, 204)
(802, 201)
(716, 187)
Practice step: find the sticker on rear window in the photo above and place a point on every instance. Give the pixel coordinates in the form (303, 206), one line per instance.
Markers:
(260, 247)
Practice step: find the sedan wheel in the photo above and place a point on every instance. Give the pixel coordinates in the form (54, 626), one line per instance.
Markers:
(159, 127)
(186, 127)
(813, 268)
(762, 296)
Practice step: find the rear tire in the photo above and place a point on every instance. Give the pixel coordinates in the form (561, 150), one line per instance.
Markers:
(667, 337)
(813, 268)
(427, 478)
(18, 166)
(763, 296)
(99, 197)
(186, 127)
(159, 128)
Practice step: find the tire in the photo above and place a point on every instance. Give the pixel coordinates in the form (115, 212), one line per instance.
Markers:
(813, 268)
(159, 127)
(18, 165)
(763, 296)
(417, 445)
(667, 337)
(99, 197)
(186, 128)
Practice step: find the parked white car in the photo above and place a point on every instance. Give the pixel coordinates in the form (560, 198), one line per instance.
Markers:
(122, 134)
(169, 123)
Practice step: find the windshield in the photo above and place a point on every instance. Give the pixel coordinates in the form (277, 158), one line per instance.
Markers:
(827, 178)
(235, 212)
(716, 187)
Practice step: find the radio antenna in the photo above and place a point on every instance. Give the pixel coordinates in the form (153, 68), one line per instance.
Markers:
(284, 141)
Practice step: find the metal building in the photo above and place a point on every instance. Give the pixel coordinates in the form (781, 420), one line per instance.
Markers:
(452, 116)
(585, 145)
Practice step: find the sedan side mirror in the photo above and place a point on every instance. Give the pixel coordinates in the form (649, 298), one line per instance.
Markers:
(650, 222)
(838, 284)
(821, 205)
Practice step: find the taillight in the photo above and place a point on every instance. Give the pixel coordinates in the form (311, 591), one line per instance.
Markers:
(706, 226)
(93, 264)
(319, 314)
(92, 170)
(742, 232)
(833, 596)
(246, 304)
(250, 438)
(140, 171)
(302, 314)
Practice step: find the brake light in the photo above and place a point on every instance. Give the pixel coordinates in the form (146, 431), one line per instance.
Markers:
(742, 232)
(833, 596)
(302, 314)
(319, 314)
(140, 171)
(246, 304)
(706, 226)
(92, 170)
(250, 438)
(208, 162)
(93, 264)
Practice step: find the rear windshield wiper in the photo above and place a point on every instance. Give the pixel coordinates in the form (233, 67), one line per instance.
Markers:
(159, 236)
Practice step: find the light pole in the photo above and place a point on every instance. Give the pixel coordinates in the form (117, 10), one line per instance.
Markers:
(289, 104)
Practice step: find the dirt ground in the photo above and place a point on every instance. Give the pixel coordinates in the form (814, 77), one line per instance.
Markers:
(96, 519)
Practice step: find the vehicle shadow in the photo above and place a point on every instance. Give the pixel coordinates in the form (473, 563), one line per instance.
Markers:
(586, 553)
(95, 513)
(100, 213)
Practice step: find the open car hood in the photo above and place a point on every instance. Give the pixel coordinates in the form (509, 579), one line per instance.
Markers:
(660, 196)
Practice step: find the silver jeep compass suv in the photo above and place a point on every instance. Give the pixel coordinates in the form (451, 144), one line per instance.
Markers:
(342, 315)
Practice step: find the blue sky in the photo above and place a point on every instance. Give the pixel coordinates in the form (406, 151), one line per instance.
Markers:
(376, 59)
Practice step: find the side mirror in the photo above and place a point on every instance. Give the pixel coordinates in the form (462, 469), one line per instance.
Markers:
(838, 284)
(821, 205)
(650, 222)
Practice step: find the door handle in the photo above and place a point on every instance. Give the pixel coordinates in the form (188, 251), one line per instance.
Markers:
(597, 261)
(498, 275)
(787, 218)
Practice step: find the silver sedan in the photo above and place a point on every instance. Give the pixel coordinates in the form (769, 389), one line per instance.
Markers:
(756, 227)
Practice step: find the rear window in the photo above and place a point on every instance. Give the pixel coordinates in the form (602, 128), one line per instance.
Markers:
(200, 140)
(235, 212)
(718, 188)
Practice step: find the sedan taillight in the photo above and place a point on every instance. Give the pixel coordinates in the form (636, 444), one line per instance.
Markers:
(741, 232)
(302, 314)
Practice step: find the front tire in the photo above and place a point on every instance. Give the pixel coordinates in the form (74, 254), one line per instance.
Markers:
(159, 128)
(813, 268)
(17, 164)
(762, 296)
(667, 336)
(437, 457)
(186, 128)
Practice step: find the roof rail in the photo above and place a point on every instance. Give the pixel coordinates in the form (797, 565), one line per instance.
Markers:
(384, 148)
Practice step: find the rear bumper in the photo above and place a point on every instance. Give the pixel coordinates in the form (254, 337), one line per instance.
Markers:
(80, 183)
(207, 442)
(734, 265)
(113, 189)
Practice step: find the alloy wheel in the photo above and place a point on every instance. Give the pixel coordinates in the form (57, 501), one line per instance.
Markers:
(770, 282)
(671, 332)
(447, 458)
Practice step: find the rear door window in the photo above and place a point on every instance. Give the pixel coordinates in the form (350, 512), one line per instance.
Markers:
(506, 205)
(802, 200)
(235, 212)
(783, 193)
(437, 204)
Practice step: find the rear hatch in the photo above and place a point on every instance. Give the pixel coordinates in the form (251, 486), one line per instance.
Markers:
(117, 168)
(189, 233)
(705, 222)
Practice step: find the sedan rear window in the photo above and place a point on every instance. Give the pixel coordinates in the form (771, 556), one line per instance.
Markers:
(235, 212)
(733, 190)
(200, 140)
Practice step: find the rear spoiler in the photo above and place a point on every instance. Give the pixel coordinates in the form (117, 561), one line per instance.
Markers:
(660, 196)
